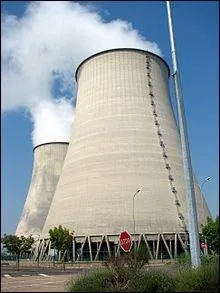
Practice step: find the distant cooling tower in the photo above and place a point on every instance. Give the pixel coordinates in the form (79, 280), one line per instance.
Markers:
(47, 166)
(124, 138)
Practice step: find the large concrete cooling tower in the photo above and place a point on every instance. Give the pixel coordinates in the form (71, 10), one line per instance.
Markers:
(47, 166)
(124, 138)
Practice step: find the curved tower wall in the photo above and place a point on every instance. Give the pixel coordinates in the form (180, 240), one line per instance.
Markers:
(124, 138)
(47, 166)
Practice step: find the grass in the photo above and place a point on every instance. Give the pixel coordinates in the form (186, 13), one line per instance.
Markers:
(173, 278)
(96, 281)
(152, 281)
(202, 279)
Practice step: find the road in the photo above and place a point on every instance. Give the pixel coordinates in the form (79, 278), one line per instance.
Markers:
(45, 278)
(37, 279)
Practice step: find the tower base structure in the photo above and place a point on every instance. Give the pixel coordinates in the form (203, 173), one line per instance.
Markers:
(160, 246)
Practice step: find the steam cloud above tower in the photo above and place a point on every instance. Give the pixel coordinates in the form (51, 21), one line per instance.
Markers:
(40, 53)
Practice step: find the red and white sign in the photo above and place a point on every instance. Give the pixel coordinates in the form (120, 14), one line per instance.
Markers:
(203, 245)
(125, 241)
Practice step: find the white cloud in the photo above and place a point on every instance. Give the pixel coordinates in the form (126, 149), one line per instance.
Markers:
(47, 44)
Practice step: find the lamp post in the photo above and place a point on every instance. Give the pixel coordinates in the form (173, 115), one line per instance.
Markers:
(134, 217)
(203, 207)
(208, 178)
(73, 246)
(38, 251)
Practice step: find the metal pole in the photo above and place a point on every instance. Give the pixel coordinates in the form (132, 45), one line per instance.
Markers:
(203, 206)
(73, 247)
(188, 174)
(38, 250)
(134, 218)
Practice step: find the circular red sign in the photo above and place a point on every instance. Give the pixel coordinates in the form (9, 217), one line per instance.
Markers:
(203, 245)
(125, 241)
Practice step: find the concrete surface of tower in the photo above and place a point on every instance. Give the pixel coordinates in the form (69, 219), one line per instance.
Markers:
(124, 138)
(47, 164)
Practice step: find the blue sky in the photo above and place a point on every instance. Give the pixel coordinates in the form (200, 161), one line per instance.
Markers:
(196, 31)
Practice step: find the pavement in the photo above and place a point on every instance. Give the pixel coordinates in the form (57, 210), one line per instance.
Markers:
(45, 277)
(37, 283)
(37, 279)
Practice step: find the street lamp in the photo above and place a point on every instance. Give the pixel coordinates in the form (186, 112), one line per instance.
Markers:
(38, 251)
(207, 179)
(203, 206)
(73, 246)
(134, 217)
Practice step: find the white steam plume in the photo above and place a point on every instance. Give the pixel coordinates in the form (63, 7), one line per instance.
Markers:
(40, 53)
(58, 117)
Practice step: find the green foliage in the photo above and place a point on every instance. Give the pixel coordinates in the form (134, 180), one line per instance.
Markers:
(202, 279)
(210, 233)
(153, 281)
(117, 274)
(117, 277)
(96, 281)
(127, 264)
(60, 238)
(142, 254)
(17, 245)
(126, 267)
(210, 259)
(184, 258)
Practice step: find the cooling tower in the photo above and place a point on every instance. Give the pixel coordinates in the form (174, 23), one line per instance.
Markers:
(47, 165)
(124, 138)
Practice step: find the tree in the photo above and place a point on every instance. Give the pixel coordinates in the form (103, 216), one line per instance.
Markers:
(210, 233)
(61, 240)
(17, 245)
